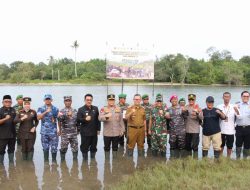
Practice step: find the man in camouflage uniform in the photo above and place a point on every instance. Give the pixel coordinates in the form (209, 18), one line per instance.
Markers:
(177, 131)
(113, 125)
(124, 106)
(148, 107)
(68, 128)
(158, 128)
(49, 133)
(18, 107)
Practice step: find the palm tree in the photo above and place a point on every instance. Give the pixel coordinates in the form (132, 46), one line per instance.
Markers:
(75, 46)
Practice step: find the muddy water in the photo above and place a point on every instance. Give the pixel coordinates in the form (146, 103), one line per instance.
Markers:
(96, 173)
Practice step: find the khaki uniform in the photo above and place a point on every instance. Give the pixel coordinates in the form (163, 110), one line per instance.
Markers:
(113, 126)
(136, 130)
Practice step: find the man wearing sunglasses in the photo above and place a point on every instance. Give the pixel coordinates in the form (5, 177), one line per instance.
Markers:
(242, 110)
(193, 122)
(7, 129)
(90, 126)
(68, 128)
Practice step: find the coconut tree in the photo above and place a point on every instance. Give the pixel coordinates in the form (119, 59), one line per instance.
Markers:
(75, 46)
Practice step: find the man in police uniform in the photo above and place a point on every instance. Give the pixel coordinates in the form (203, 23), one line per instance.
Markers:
(137, 129)
(27, 118)
(124, 106)
(68, 128)
(148, 107)
(18, 107)
(7, 129)
(113, 125)
(48, 114)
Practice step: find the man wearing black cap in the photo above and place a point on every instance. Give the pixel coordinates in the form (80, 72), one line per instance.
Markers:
(7, 129)
(27, 118)
(68, 128)
(211, 128)
(113, 125)
(90, 126)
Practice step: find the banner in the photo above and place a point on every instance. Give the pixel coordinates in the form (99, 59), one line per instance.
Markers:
(130, 63)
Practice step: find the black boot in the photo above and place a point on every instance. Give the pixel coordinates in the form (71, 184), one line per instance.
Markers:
(238, 152)
(245, 153)
(172, 154)
(154, 153)
(204, 153)
(177, 153)
(217, 154)
(195, 154)
(163, 154)
(92, 155)
(130, 152)
(11, 157)
(140, 153)
(189, 153)
(62, 154)
(183, 153)
(24, 155)
(1, 158)
(75, 154)
(54, 157)
(46, 155)
(107, 154)
(30, 156)
(85, 156)
(114, 154)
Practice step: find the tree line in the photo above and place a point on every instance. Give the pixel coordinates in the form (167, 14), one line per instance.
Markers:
(220, 68)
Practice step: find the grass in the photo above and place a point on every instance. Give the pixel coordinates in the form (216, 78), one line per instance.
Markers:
(191, 174)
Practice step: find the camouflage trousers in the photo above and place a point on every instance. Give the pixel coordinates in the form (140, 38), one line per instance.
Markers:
(49, 141)
(177, 139)
(159, 141)
(65, 141)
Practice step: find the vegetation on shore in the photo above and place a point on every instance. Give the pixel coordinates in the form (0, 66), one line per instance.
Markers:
(191, 174)
(220, 68)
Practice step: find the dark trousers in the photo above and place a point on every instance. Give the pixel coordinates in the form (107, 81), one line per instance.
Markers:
(27, 145)
(108, 141)
(227, 140)
(88, 143)
(11, 145)
(148, 136)
(192, 141)
(243, 136)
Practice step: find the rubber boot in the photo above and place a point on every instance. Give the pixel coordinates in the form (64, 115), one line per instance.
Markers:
(189, 153)
(25, 155)
(140, 153)
(1, 158)
(107, 154)
(54, 157)
(11, 157)
(75, 154)
(92, 155)
(85, 156)
(217, 154)
(154, 153)
(204, 153)
(195, 154)
(163, 154)
(46, 155)
(183, 153)
(62, 154)
(177, 153)
(172, 154)
(130, 152)
(229, 153)
(114, 154)
(30, 156)
(238, 152)
(245, 153)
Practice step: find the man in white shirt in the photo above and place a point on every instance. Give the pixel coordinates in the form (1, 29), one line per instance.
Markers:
(228, 125)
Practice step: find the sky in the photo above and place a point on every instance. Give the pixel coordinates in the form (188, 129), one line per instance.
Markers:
(33, 30)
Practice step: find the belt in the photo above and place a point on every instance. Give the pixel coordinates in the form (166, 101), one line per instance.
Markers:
(243, 126)
(136, 127)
